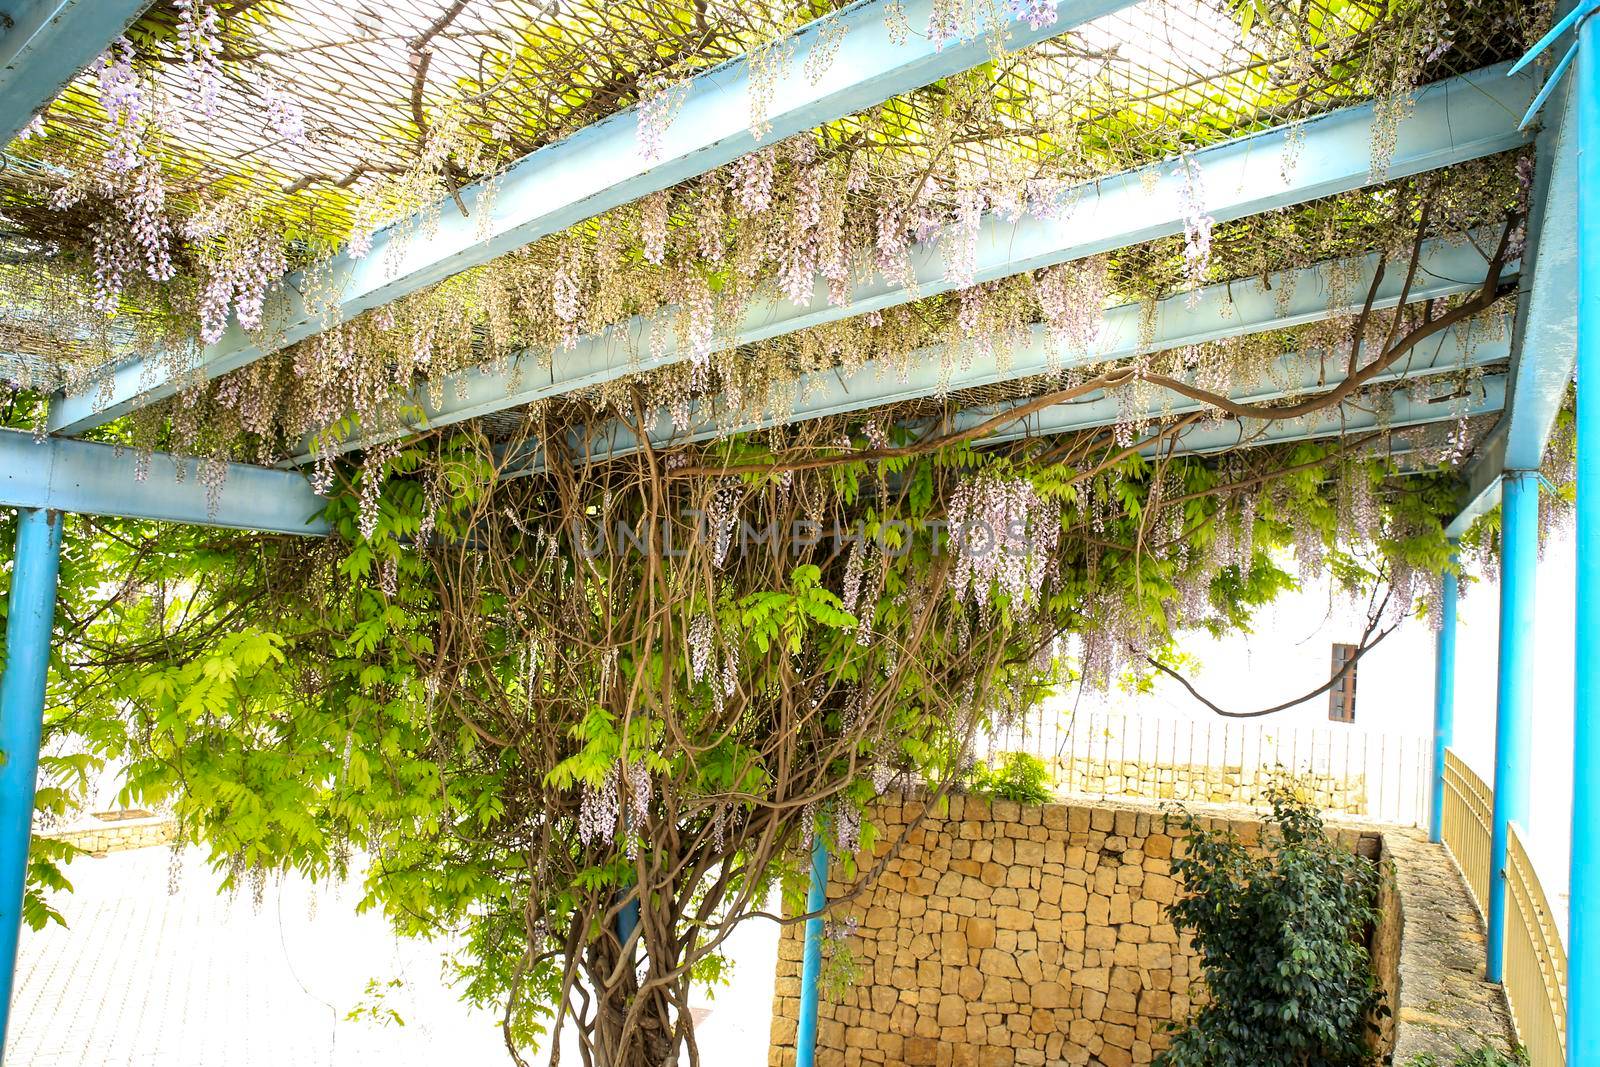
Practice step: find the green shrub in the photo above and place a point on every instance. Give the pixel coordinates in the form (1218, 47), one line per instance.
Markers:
(1280, 936)
(1018, 776)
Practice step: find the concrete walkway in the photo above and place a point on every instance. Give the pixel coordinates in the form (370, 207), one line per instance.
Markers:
(1445, 1004)
(140, 979)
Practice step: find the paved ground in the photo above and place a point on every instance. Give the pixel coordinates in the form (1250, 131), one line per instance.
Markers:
(1445, 1004)
(141, 978)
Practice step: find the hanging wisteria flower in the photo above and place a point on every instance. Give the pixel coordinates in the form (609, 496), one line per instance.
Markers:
(701, 633)
(825, 47)
(373, 471)
(240, 278)
(847, 827)
(893, 250)
(854, 567)
(599, 808)
(944, 22)
(200, 45)
(896, 23)
(752, 182)
(1072, 299)
(653, 215)
(566, 295)
(1005, 536)
(959, 246)
(659, 104)
(285, 115)
(1197, 227)
(121, 94)
(1036, 13)
(722, 518)
(637, 776)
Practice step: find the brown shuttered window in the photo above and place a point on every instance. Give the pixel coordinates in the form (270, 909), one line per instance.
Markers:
(1342, 697)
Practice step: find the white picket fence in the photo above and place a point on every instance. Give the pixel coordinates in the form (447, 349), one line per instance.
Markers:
(1380, 777)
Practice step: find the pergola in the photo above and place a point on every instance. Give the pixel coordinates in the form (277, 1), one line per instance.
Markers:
(1278, 156)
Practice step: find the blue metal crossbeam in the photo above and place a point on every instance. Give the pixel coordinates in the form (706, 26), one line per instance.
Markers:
(1353, 418)
(1293, 375)
(1229, 309)
(95, 479)
(596, 169)
(1452, 121)
(1544, 345)
(45, 43)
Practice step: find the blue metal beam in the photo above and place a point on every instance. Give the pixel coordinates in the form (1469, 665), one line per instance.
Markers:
(805, 1042)
(1452, 121)
(46, 43)
(30, 615)
(1353, 418)
(1544, 345)
(1583, 931)
(1513, 731)
(1446, 269)
(596, 169)
(1444, 697)
(95, 479)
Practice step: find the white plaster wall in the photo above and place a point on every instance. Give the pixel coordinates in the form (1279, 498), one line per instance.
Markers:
(1289, 653)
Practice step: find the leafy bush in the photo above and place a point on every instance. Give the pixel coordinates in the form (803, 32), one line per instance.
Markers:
(1280, 935)
(1018, 776)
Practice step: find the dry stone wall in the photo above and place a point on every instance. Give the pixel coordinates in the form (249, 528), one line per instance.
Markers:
(1205, 784)
(98, 838)
(1004, 935)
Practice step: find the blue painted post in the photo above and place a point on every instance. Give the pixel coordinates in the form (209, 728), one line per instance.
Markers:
(628, 919)
(1444, 696)
(30, 616)
(805, 1042)
(1513, 733)
(1583, 930)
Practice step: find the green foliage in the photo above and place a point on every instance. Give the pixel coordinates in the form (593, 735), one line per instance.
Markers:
(841, 970)
(374, 1005)
(435, 714)
(1018, 776)
(1280, 935)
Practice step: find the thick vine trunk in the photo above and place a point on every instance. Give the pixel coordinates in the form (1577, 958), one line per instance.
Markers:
(629, 1030)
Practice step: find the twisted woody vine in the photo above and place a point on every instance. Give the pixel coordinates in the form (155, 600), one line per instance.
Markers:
(528, 683)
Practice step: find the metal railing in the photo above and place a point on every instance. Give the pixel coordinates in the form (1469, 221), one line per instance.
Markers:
(1535, 962)
(1468, 825)
(1535, 970)
(1380, 777)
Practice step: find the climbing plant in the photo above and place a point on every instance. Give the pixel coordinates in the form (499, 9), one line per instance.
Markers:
(513, 702)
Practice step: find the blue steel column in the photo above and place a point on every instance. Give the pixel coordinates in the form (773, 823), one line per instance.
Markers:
(1513, 733)
(1583, 931)
(805, 1042)
(31, 614)
(1444, 696)
(628, 918)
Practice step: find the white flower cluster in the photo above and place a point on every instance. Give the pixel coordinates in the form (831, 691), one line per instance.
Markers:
(700, 641)
(599, 808)
(1005, 535)
(1197, 227)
